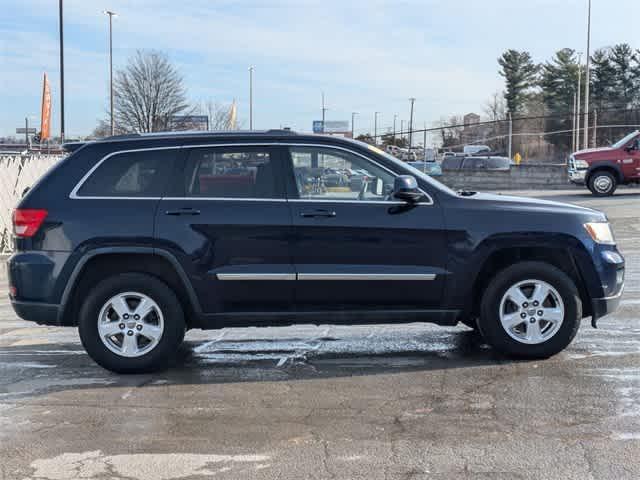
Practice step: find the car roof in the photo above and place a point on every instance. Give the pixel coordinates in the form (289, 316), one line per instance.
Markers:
(160, 139)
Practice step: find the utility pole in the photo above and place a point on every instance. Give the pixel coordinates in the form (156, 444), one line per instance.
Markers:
(424, 141)
(510, 135)
(61, 72)
(586, 82)
(111, 15)
(595, 129)
(573, 127)
(353, 123)
(251, 97)
(395, 116)
(412, 100)
(375, 128)
(26, 131)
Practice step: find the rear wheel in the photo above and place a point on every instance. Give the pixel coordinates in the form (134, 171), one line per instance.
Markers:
(603, 183)
(530, 310)
(131, 323)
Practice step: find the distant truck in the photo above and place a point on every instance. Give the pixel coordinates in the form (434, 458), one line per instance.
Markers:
(603, 169)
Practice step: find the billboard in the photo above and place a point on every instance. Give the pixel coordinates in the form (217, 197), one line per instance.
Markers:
(331, 126)
(189, 122)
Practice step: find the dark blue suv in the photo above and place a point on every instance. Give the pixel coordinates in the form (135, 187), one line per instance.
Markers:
(135, 239)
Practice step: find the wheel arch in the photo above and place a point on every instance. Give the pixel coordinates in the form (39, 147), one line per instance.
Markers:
(562, 257)
(100, 263)
(605, 166)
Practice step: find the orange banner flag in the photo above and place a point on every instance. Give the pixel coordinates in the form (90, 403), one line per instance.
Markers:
(45, 119)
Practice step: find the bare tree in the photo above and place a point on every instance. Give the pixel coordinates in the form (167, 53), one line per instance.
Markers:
(147, 92)
(220, 116)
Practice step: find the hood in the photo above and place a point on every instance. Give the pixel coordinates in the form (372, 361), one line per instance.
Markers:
(594, 152)
(526, 204)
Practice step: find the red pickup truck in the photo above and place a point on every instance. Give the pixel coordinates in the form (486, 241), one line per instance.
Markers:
(603, 169)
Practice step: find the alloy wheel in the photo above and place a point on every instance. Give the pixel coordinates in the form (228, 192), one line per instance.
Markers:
(531, 311)
(130, 324)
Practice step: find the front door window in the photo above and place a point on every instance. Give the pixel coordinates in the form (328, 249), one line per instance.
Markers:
(323, 173)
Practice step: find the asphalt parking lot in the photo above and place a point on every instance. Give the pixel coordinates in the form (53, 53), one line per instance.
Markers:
(385, 402)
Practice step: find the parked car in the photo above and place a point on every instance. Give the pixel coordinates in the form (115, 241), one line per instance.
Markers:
(430, 168)
(136, 239)
(603, 169)
(475, 149)
(476, 163)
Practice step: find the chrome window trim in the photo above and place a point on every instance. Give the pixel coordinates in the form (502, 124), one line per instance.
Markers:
(74, 193)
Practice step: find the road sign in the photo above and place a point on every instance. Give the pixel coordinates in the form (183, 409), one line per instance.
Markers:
(26, 130)
(330, 126)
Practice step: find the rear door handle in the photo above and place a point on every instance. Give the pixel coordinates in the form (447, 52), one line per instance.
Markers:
(318, 213)
(183, 211)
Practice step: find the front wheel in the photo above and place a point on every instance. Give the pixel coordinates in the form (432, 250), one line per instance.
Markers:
(603, 183)
(530, 310)
(131, 323)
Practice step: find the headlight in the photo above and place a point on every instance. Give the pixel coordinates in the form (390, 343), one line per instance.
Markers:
(580, 164)
(600, 232)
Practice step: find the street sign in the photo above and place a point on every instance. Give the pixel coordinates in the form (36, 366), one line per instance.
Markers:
(26, 130)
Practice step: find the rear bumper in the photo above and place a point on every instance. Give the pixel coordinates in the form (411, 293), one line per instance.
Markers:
(41, 313)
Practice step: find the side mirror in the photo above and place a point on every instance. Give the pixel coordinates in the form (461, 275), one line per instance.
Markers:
(405, 188)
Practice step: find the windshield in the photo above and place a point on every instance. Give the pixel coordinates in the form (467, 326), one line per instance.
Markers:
(412, 170)
(625, 140)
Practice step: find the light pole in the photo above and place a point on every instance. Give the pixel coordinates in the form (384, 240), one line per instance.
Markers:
(324, 112)
(586, 82)
(353, 122)
(375, 128)
(412, 100)
(251, 97)
(61, 72)
(111, 15)
(579, 93)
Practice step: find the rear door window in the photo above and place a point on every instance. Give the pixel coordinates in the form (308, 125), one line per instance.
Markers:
(232, 172)
(140, 174)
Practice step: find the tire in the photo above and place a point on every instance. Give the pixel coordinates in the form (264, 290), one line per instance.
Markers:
(603, 183)
(163, 323)
(533, 337)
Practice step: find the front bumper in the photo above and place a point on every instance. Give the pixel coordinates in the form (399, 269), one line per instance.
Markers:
(604, 306)
(577, 176)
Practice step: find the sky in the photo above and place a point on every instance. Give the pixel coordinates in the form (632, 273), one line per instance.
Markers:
(366, 56)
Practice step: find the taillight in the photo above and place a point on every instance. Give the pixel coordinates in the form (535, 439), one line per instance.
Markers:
(27, 221)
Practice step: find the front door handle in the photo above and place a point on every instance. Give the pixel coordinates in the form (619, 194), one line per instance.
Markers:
(318, 213)
(183, 211)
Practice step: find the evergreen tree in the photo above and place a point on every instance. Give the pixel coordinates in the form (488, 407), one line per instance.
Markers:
(559, 79)
(520, 75)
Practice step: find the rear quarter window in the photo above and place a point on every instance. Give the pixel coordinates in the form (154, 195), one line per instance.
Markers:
(130, 174)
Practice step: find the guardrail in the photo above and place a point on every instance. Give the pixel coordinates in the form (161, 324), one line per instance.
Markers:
(17, 173)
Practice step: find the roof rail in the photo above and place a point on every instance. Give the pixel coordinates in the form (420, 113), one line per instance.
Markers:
(281, 131)
(72, 146)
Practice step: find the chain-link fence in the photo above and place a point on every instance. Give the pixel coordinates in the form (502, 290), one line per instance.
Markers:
(544, 138)
(17, 173)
